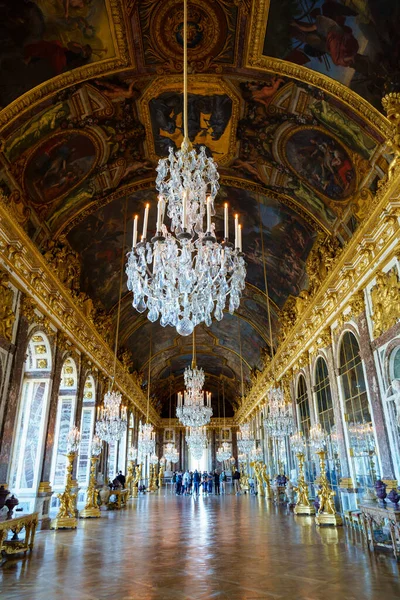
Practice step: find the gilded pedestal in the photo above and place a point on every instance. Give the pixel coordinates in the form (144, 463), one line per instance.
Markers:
(326, 514)
(303, 506)
(92, 509)
(65, 518)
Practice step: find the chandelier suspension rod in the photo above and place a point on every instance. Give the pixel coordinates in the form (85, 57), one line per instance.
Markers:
(186, 141)
(148, 378)
(267, 291)
(241, 358)
(120, 292)
(223, 400)
(194, 349)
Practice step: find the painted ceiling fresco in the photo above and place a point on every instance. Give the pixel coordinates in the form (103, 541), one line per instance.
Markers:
(355, 42)
(294, 161)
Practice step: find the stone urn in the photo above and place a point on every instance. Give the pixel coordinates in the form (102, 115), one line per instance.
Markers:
(104, 495)
(11, 503)
(380, 490)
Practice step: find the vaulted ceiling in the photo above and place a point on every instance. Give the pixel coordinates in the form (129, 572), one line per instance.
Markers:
(284, 94)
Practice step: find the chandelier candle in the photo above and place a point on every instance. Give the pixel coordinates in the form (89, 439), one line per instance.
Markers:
(226, 222)
(145, 222)
(134, 239)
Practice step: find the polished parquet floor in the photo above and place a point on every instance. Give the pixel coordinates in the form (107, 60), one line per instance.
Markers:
(227, 547)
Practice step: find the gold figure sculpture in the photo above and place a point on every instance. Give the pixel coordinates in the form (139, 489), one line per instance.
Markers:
(152, 478)
(92, 508)
(161, 475)
(65, 518)
(7, 316)
(385, 296)
(267, 481)
(303, 506)
(326, 514)
(391, 104)
(258, 475)
(135, 483)
(129, 477)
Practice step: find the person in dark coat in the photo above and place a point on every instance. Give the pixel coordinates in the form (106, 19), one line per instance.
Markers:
(216, 482)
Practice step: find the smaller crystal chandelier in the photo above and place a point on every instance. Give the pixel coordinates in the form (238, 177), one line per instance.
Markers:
(132, 454)
(153, 459)
(362, 437)
(111, 417)
(96, 446)
(317, 438)
(256, 453)
(196, 439)
(297, 442)
(194, 407)
(171, 453)
(245, 439)
(224, 452)
(147, 439)
(73, 440)
(279, 420)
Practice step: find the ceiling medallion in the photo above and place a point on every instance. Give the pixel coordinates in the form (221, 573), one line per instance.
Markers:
(184, 276)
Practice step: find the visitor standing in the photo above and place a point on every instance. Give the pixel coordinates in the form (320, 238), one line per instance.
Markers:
(236, 481)
(216, 482)
(179, 483)
(186, 483)
(222, 479)
(210, 480)
(196, 483)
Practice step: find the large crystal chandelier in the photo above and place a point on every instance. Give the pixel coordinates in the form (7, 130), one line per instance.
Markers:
(147, 439)
(224, 452)
(245, 439)
(171, 453)
(279, 420)
(111, 417)
(317, 438)
(196, 439)
(362, 437)
(194, 406)
(184, 276)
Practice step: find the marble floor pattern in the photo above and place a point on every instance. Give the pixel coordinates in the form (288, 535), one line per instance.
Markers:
(225, 547)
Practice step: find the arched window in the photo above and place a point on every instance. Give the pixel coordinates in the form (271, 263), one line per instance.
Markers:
(303, 406)
(65, 421)
(356, 409)
(351, 370)
(324, 396)
(87, 427)
(31, 421)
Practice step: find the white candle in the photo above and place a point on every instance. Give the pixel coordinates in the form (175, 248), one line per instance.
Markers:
(160, 213)
(146, 218)
(240, 238)
(226, 221)
(236, 231)
(135, 223)
(208, 214)
(184, 209)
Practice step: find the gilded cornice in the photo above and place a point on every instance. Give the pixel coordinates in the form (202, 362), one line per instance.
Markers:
(373, 244)
(256, 60)
(31, 273)
(121, 61)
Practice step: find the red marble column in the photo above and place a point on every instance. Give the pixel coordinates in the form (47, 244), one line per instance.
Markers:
(375, 399)
(12, 399)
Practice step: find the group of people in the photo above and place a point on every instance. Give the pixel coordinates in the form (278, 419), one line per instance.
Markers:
(193, 482)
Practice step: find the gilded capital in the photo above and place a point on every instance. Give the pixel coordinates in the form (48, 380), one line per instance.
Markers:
(7, 316)
(357, 304)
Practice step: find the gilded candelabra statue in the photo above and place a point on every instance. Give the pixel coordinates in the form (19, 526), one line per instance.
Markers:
(91, 507)
(152, 478)
(326, 514)
(161, 474)
(129, 477)
(244, 478)
(258, 475)
(303, 506)
(136, 481)
(267, 481)
(65, 518)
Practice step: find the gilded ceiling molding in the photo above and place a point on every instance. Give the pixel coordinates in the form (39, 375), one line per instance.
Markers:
(372, 245)
(122, 61)
(215, 423)
(31, 273)
(256, 60)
